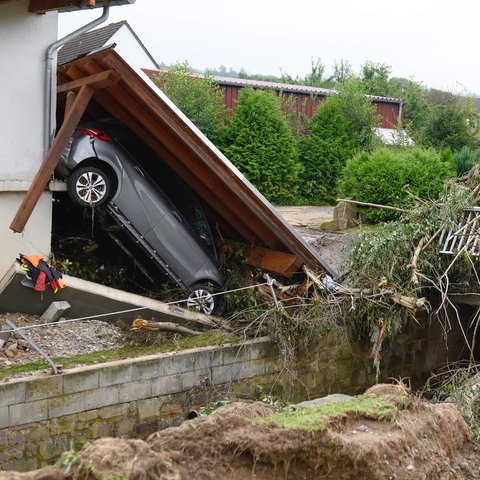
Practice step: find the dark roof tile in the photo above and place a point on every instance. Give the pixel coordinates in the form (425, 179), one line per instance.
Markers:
(88, 42)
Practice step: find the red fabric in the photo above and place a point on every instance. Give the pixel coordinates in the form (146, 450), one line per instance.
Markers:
(40, 283)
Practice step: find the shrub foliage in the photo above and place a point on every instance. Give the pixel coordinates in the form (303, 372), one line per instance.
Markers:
(466, 158)
(391, 177)
(198, 97)
(259, 143)
(341, 126)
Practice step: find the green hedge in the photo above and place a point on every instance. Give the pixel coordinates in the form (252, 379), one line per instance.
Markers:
(391, 176)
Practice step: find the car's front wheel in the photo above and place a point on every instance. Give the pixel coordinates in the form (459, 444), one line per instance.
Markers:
(89, 186)
(204, 299)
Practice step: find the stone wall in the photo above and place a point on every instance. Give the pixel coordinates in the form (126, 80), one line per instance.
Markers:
(42, 416)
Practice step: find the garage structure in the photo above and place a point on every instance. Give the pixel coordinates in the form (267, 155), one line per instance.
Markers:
(103, 84)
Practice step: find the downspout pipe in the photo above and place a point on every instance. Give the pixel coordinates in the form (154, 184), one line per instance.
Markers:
(400, 115)
(48, 87)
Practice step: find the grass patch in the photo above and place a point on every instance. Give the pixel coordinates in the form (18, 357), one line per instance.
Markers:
(318, 418)
(150, 346)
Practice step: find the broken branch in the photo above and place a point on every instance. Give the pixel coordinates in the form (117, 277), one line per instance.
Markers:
(413, 263)
(367, 204)
(141, 324)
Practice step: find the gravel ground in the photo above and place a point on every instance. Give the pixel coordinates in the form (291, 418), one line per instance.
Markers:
(58, 339)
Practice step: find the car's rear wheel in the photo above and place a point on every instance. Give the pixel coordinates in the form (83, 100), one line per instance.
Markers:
(89, 186)
(204, 299)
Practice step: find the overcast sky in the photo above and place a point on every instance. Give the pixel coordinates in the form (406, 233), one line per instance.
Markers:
(435, 42)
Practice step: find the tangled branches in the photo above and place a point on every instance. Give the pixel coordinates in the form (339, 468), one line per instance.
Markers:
(431, 252)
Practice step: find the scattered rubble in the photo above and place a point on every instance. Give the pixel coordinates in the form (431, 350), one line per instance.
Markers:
(56, 339)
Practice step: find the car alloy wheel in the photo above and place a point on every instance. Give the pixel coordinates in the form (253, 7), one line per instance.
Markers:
(202, 300)
(89, 186)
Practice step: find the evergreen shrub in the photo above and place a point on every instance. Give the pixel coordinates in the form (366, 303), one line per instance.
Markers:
(466, 158)
(391, 177)
(259, 143)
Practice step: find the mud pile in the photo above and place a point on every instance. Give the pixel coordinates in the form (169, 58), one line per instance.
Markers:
(422, 441)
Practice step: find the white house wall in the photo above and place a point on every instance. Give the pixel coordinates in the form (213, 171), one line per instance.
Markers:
(130, 50)
(24, 39)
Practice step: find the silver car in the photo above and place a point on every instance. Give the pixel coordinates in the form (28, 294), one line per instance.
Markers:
(158, 212)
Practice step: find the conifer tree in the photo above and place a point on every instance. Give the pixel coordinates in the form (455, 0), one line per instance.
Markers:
(259, 143)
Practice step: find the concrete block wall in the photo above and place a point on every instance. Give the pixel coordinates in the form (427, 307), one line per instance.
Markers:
(40, 417)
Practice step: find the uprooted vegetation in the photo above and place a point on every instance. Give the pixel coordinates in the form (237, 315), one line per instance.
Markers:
(417, 262)
(394, 272)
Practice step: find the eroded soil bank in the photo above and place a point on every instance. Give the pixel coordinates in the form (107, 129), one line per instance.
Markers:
(420, 441)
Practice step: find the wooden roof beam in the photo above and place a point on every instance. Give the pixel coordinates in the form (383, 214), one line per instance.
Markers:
(72, 117)
(73, 114)
(43, 6)
(103, 79)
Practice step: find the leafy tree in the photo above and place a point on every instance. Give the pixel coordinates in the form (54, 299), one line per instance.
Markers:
(374, 78)
(448, 123)
(316, 77)
(259, 143)
(417, 109)
(359, 113)
(341, 126)
(342, 71)
(197, 96)
(390, 176)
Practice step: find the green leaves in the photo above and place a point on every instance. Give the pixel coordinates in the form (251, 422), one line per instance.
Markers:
(259, 143)
(197, 96)
(341, 126)
(391, 177)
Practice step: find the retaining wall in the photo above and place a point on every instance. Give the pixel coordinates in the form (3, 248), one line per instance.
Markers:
(42, 416)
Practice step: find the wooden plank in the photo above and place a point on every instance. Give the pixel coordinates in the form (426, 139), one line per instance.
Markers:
(107, 78)
(273, 261)
(42, 6)
(50, 162)
(71, 96)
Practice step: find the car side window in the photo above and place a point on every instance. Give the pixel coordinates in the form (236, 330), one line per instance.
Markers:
(179, 194)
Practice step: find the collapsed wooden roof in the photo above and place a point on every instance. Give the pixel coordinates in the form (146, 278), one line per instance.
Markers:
(116, 89)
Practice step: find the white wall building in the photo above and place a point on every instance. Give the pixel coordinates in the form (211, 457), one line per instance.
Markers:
(127, 45)
(24, 39)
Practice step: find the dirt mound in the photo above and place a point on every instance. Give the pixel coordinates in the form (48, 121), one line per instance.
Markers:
(424, 441)
(246, 409)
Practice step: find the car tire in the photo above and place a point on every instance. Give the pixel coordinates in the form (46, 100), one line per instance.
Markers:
(89, 186)
(205, 299)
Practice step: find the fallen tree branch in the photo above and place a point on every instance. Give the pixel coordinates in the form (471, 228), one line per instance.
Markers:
(413, 264)
(141, 324)
(411, 303)
(313, 277)
(367, 204)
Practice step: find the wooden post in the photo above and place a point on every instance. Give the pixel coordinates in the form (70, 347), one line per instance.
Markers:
(71, 120)
(71, 96)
